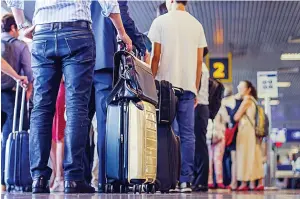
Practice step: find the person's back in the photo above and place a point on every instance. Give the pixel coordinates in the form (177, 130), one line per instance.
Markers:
(180, 35)
(179, 43)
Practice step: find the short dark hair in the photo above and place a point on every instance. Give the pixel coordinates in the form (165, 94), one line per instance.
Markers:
(182, 2)
(162, 9)
(7, 21)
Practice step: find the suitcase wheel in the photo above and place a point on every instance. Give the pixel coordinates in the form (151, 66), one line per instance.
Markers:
(149, 188)
(123, 189)
(137, 188)
(109, 188)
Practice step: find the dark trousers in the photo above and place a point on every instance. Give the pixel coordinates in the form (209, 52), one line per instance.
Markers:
(103, 79)
(55, 51)
(7, 110)
(184, 127)
(201, 166)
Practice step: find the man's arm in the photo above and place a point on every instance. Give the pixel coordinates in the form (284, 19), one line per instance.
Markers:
(135, 35)
(199, 68)
(7, 69)
(111, 9)
(156, 51)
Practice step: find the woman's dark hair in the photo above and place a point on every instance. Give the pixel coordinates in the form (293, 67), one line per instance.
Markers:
(253, 91)
(162, 9)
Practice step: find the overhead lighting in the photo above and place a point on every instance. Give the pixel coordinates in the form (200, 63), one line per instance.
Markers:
(272, 102)
(283, 84)
(290, 56)
(295, 39)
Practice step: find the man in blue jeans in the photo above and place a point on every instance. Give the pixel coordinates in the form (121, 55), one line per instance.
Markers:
(178, 40)
(106, 44)
(63, 43)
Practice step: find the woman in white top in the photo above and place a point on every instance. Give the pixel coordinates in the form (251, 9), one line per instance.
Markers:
(248, 147)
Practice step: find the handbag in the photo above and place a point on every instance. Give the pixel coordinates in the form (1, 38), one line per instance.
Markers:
(230, 133)
(132, 79)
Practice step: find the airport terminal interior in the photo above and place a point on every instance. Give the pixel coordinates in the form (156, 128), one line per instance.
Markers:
(258, 41)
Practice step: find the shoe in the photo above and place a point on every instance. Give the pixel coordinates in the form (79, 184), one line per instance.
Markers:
(245, 188)
(259, 188)
(40, 185)
(58, 186)
(200, 188)
(176, 190)
(231, 188)
(185, 187)
(211, 186)
(220, 186)
(78, 187)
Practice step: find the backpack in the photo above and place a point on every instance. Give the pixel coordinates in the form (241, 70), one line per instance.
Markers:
(261, 122)
(216, 92)
(7, 53)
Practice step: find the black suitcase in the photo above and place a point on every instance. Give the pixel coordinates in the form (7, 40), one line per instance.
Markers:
(17, 167)
(168, 158)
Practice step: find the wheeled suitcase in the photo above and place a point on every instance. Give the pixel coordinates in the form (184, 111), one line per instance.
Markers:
(131, 146)
(168, 158)
(17, 167)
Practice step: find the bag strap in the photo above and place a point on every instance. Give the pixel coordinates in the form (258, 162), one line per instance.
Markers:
(9, 40)
(115, 90)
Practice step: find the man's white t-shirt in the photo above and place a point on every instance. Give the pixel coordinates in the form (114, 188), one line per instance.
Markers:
(180, 36)
(203, 94)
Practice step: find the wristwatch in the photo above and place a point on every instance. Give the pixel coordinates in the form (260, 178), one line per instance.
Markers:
(23, 25)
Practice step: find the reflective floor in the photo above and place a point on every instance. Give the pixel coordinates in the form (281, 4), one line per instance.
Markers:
(282, 194)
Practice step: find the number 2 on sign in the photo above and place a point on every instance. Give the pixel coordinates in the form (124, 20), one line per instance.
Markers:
(219, 72)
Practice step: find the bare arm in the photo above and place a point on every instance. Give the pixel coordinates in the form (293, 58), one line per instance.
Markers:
(117, 21)
(199, 68)
(155, 58)
(7, 69)
(242, 109)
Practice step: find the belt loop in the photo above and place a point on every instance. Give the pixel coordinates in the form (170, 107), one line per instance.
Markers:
(59, 26)
(51, 26)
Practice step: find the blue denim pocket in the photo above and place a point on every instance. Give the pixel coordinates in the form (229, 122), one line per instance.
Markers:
(81, 47)
(38, 52)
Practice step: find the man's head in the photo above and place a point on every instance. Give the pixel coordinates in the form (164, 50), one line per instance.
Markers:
(171, 4)
(162, 9)
(8, 24)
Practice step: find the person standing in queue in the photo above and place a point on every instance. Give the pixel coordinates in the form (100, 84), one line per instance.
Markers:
(63, 43)
(106, 44)
(178, 42)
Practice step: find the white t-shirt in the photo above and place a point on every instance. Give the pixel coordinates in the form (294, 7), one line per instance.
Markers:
(203, 94)
(180, 36)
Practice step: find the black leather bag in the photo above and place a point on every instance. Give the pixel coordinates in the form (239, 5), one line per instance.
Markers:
(132, 79)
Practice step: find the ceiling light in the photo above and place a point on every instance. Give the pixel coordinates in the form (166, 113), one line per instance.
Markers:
(283, 84)
(295, 39)
(272, 102)
(290, 56)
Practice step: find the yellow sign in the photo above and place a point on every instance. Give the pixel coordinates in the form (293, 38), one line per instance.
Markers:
(220, 68)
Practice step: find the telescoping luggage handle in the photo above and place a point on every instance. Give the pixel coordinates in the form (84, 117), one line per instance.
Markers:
(16, 108)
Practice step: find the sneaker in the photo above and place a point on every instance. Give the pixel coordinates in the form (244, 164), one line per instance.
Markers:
(176, 190)
(185, 187)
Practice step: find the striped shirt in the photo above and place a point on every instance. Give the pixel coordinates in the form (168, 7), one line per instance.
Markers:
(49, 11)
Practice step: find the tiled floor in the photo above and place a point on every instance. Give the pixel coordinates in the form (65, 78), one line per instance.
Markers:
(282, 194)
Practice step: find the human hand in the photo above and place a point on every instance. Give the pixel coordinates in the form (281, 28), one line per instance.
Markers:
(195, 102)
(125, 38)
(28, 31)
(147, 57)
(23, 81)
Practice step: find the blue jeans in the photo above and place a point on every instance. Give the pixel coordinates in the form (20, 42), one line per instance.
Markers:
(7, 108)
(55, 51)
(184, 128)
